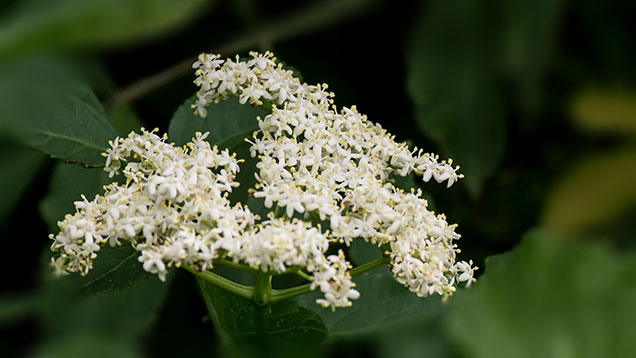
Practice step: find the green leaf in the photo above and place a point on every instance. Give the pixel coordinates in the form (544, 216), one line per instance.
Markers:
(452, 85)
(593, 192)
(125, 119)
(48, 107)
(282, 327)
(248, 181)
(72, 317)
(41, 24)
(128, 312)
(115, 268)
(68, 183)
(22, 164)
(549, 297)
(228, 122)
(605, 110)
(120, 318)
(383, 305)
(17, 307)
(87, 344)
(405, 183)
(362, 252)
(409, 341)
(530, 31)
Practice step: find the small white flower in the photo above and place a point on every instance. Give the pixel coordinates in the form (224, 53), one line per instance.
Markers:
(314, 162)
(170, 194)
(313, 158)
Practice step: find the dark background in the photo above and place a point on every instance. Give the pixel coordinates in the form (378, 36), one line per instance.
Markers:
(551, 81)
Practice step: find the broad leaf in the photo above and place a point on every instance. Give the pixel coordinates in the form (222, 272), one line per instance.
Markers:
(405, 183)
(125, 119)
(42, 24)
(228, 122)
(412, 340)
(362, 252)
(68, 183)
(282, 327)
(87, 344)
(134, 309)
(248, 181)
(48, 107)
(383, 304)
(115, 268)
(22, 164)
(549, 298)
(592, 193)
(529, 34)
(119, 318)
(452, 85)
(76, 321)
(17, 307)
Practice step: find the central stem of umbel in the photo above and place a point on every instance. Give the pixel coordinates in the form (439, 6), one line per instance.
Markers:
(330, 171)
(262, 293)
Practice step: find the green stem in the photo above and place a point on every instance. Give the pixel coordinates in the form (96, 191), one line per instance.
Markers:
(369, 265)
(279, 295)
(262, 293)
(243, 291)
(298, 271)
(303, 275)
(262, 289)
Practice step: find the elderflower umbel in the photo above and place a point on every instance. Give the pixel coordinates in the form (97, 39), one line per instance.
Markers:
(314, 158)
(314, 161)
(173, 209)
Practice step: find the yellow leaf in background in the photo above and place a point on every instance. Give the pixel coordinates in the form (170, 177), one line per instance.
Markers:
(605, 110)
(594, 191)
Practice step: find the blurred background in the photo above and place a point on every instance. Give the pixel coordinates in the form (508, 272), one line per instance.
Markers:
(535, 100)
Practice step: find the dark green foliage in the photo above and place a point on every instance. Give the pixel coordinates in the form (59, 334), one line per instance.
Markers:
(549, 298)
(41, 24)
(46, 105)
(491, 84)
(284, 327)
(24, 163)
(228, 122)
(383, 304)
(452, 85)
(115, 268)
(97, 324)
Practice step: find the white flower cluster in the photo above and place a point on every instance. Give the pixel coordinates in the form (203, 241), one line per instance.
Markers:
(173, 208)
(336, 165)
(317, 163)
(279, 244)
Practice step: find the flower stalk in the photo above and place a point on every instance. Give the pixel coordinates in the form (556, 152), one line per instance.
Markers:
(323, 175)
(262, 292)
(211, 277)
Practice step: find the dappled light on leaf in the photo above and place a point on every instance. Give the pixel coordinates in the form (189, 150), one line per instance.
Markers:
(549, 297)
